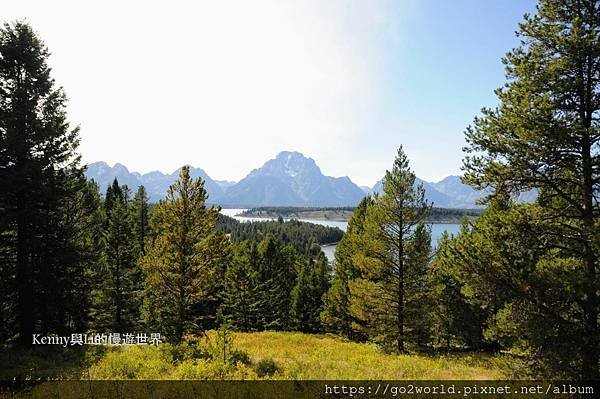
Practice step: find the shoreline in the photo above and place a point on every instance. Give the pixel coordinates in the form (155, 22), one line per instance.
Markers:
(324, 219)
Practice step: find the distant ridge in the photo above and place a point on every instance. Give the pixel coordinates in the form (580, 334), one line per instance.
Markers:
(289, 179)
(442, 194)
(156, 183)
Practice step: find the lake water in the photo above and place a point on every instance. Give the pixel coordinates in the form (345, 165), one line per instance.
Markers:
(437, 229)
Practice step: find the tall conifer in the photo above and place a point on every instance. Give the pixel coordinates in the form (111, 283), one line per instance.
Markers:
(186, 259)
(40, 178)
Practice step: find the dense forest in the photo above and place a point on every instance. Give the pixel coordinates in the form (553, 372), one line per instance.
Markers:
(521, 278)
(305, 237)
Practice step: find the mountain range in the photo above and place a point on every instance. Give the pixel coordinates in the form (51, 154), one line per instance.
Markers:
(450, 192)
(156, 183)
(289, 179)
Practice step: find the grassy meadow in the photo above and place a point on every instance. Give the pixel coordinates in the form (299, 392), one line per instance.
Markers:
(312, 357)
(250, 356)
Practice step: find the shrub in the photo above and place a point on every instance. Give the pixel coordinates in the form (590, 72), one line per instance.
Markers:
(145, 363)
(187, 350)
(266, 367)
(238, 356)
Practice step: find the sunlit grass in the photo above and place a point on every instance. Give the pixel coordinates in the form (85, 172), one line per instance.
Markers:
(307, 356)
(296, 356)
(270, 355)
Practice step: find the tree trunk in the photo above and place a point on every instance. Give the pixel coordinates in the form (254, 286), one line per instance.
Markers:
(400, 315)
(25, 314)
(180, 316)
(590, 308)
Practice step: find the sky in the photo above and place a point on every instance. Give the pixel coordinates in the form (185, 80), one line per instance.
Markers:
(226, 85)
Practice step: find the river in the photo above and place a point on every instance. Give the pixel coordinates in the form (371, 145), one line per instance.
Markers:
(437, 229)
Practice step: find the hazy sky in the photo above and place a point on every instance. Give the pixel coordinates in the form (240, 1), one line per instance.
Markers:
(226, 85)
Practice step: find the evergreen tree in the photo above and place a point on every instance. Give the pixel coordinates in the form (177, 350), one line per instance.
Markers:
(277, 277)
(458, 320)
(336, 316)
(242, 297)
(395, 249)
(544, 135)
(522, 296)
(321, 283)
(120, 282)
(114, 194)
(86, 218)
(307, 295)
(186, 259)
(140, 219)
(301, 309)
(40, 179)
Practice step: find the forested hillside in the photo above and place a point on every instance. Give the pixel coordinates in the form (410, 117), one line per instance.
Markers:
(305, 237)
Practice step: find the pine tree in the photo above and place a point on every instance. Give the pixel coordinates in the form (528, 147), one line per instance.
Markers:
(40, 179)
(307, 295)
(321, 282)
(301, 309)
(395, 249)
(120, 280)
(84, 210)
(242, 296)
(140, 211)
(186, 258)
(276, 277)
(336, 316)
(544, 135)
(524, 295)
(458, 320)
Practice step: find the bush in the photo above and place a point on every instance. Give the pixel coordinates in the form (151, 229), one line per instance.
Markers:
(266, 367)
(152, 363)
(136, 362)
(238, 356)
(187, 350)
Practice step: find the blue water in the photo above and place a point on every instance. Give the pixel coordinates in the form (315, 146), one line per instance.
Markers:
(437, 229)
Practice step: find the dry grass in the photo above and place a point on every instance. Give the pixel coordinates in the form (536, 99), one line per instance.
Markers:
(307, 356)
(290, 355)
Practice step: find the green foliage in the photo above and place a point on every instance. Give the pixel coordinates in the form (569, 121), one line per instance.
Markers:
(457, 321)
(295, 356)
(447, 215)
(266, 367)
(526, 295)
(307, 295)
(258, 283)
(336, 315)
(185, 259)
(303, 236)
(117, 292)
(141, 222)
(544, 135)
(213, 358)
(238, 356)
(521, 278)
(242, 299)
(44, 199)
(220, 346)
(276, 275)
(41, 363)
(390, 293)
